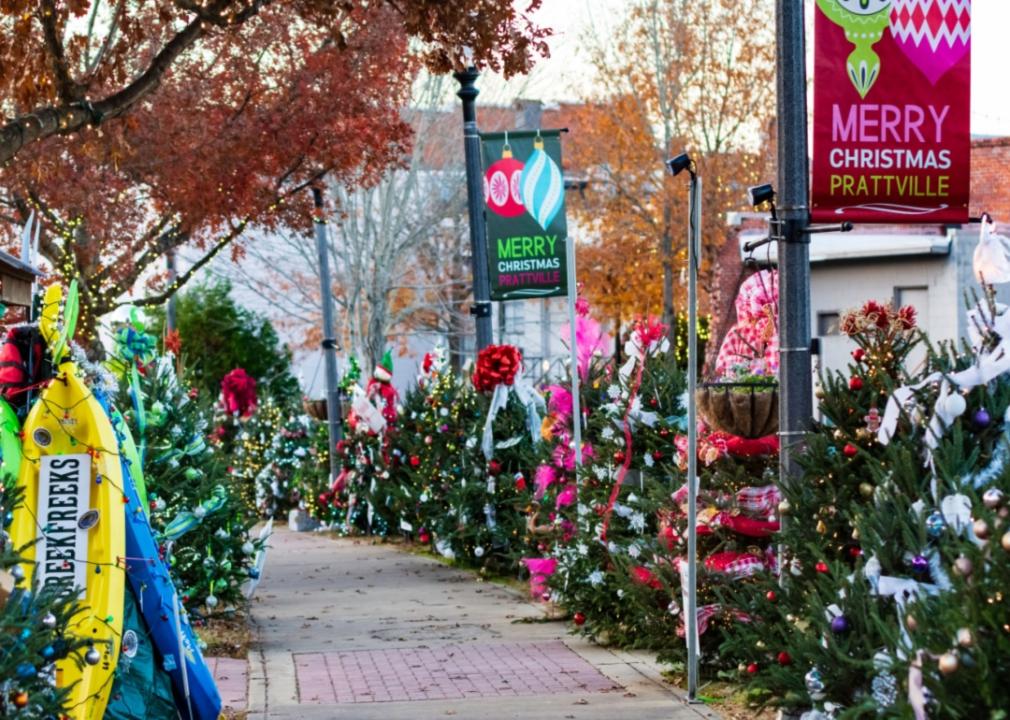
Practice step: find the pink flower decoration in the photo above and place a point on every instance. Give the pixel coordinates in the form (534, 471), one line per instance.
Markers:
(543, 479)
(591, 339)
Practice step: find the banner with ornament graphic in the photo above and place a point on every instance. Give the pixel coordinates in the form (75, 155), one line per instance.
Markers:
(891, 111)
(524, 195)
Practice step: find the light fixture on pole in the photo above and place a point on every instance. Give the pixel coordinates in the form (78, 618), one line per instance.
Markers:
(677, 165)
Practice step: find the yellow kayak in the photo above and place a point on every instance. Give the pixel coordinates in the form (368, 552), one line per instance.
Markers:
(73, 502)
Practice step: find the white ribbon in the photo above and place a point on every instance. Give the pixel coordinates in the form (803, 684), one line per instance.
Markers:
(991, 261)
(530, 400)
(988, 365)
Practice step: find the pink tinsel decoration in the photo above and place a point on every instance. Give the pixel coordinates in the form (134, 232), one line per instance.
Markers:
(591, 339)
(566, 497)
(545, 476)
(540, 569)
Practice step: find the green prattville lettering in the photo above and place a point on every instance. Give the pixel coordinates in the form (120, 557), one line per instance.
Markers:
(526, 246)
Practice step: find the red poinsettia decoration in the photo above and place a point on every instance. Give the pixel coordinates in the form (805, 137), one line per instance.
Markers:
(496, 365)
(238, 393)
(173, 342)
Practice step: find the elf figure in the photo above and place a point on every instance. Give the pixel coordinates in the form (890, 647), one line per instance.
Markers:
(381, 387)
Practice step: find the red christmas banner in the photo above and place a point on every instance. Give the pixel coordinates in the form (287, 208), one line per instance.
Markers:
(891, 111)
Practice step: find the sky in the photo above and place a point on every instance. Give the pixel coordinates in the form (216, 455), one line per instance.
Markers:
(567, 76)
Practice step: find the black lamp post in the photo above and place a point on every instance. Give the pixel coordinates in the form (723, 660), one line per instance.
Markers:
(474, 191)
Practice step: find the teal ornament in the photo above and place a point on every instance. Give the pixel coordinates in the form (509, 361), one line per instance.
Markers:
(935, 524)
(542, 186)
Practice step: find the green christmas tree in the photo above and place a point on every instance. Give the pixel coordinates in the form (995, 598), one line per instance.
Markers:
(31, 634)
(198, 508)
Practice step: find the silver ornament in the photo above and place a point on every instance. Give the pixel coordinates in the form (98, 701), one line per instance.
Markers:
(92, 656)
(49, 621)
(211, 601)
(885, 690)
(815, 684)
(992, 498)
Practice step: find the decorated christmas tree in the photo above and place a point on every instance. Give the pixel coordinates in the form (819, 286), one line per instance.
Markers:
(197, 508)
(31, 634)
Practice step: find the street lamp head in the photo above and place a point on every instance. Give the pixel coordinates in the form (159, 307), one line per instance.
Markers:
(679, 164)
(760, 194)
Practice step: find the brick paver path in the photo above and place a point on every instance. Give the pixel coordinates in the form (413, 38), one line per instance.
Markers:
(232, 678)
(449, 672)
(354, 629)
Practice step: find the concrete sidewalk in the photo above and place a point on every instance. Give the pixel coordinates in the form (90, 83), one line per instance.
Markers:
(357, 631)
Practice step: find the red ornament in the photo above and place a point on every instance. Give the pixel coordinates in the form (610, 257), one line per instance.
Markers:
(858, 354)
(520, 482)
(619, 457)
(423, 536)
(20, 699)
(855, 383)
(850, 450)
(238, 393)
(771, 596)
(657, 455)
(653, 402)
(855, 551)
(752, 668)
(784, 658)
(663, 432)
(501, 186)
(821, 567)
(579, 619)
(493, 467)
(415, 461)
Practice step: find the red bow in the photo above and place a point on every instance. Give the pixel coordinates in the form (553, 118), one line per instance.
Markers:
(496, 365)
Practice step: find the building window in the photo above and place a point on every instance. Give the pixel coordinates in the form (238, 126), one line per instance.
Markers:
(515, 318)
(827, 323)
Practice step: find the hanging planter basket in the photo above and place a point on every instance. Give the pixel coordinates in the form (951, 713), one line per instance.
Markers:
(315, 408)
(748, 410)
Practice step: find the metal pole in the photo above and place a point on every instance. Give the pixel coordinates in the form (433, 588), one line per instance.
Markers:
(691, 611)
(576, 402)
(329, 344)
(170, 318)
(475, 200)
(795, 403)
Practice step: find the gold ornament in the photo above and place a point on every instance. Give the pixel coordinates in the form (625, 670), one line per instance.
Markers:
(819, 392)
(822, 529)
(855, 533)
(866, 489)
(839, 435)
(948, 663)
(863, 434)
(911, 623)
(981, 529)
(963, 566)
(760, 644)
(964, 638)
(784, 507)
(1005, 541)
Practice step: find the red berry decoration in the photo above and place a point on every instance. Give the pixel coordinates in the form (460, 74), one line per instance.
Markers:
(850, 450)
(821, 567)
(415, 461)
(752, 668)
(855, 383)
(858, 354)
(771, 596)
(784, 658)
(579, 619)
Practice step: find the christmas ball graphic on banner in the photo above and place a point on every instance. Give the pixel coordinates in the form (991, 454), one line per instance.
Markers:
(541, 186)
(933, 34)
(501, 185)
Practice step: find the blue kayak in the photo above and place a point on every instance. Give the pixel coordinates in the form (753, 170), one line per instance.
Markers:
(196, 694)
